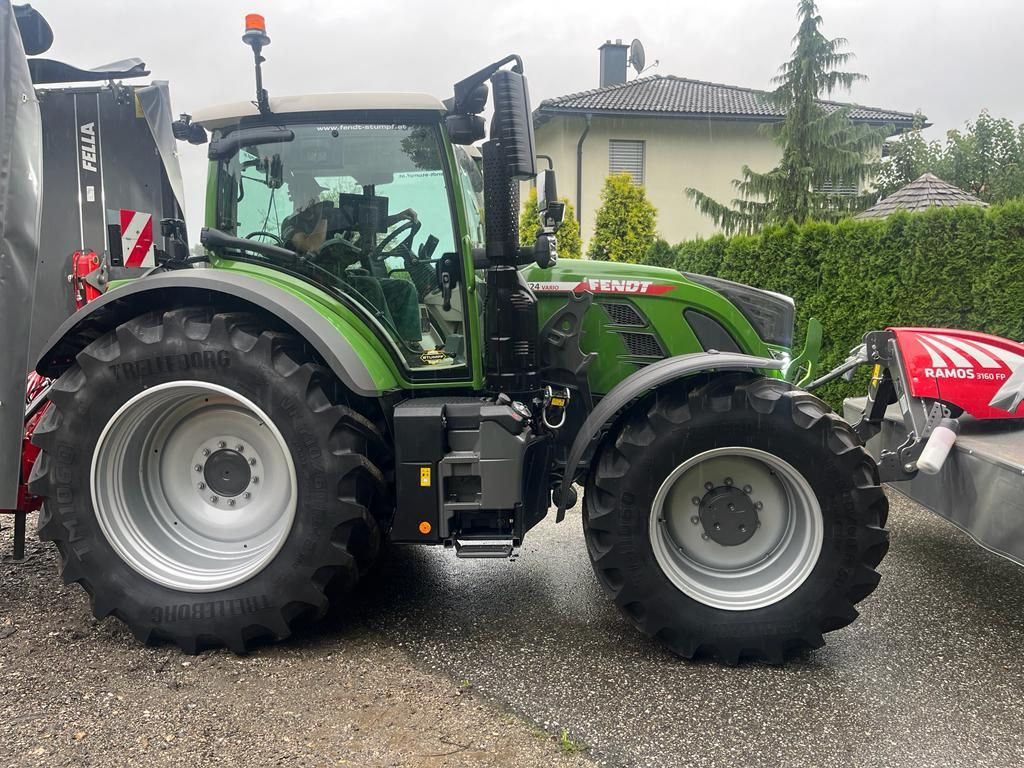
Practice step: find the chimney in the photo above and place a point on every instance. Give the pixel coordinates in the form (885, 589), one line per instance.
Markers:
(613, 62)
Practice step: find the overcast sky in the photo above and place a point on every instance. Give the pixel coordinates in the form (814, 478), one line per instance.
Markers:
(948, 58)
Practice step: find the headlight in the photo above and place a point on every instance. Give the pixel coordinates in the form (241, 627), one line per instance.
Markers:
(771, 314)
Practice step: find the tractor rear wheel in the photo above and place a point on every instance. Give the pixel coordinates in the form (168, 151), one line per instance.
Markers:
(201, 482)
(738, 518)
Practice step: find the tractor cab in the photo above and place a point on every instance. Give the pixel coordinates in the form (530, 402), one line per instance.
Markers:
(362, 196)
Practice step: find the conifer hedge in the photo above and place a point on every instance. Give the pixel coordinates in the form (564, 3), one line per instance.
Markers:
(947, 267)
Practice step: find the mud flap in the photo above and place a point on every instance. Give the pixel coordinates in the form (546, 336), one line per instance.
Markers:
(21, 164)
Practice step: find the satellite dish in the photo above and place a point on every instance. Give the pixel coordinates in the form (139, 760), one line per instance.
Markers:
(637, 57)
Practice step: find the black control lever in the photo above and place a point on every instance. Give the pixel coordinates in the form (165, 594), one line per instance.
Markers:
(447, 278)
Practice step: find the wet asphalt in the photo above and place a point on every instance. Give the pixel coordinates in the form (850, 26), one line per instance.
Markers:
(932, 674)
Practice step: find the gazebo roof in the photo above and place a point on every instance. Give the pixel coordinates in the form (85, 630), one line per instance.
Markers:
(928, 191)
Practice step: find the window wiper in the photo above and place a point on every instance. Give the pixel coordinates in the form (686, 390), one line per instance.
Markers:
(227, 146)
(215, 238)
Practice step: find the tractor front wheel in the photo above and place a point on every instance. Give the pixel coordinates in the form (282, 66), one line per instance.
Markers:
(736, 518)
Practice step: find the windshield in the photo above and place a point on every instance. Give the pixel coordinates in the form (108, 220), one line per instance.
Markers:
(366, 211)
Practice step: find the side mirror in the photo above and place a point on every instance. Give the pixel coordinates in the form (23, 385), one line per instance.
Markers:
(547, 189)
(512, 124)
(185, 130)
(465, 129)
(551, 209)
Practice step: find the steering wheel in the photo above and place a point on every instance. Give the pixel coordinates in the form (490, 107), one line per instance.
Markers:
(263, 233)
(378, 253)
(329, 248)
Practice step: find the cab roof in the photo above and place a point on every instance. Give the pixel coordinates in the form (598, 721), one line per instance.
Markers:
(227, 114)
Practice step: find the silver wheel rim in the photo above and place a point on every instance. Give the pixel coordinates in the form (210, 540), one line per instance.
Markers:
(193, 486)
(778, 556)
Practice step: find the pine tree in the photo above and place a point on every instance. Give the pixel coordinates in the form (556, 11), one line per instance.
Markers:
(821, 146)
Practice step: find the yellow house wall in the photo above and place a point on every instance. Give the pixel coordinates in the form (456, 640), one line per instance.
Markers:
(679, 153)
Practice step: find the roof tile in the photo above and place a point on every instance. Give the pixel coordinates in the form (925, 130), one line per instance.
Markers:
(928, 191)
(671, 95)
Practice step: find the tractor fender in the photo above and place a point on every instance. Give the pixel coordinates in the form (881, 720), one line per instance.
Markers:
(205, 286)
(644, 380)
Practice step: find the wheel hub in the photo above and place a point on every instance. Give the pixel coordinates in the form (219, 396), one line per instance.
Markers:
(728, 515)
(193, 486)
(227, 472)
(736, 528)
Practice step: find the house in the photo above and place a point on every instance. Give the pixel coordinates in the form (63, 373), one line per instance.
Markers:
(927, 191)
(669, 133)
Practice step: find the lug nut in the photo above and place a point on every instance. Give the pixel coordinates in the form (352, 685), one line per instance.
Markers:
(758, 505)
(743, 528)
(240, 448)
(695, 520)
(214, 499)
(747, 489)
(696, 501)
(718, 526)
(199, 467)
(728, 481)
(201, 486)
(222, 444)
(252, 462)
(255, 480)
(246, 495)
(732, 507)
(704, 536)
(709, 486)
(206, 451)
(231, 503)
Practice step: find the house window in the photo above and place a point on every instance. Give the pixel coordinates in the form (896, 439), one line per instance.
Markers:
(829, 188)
(627, 156)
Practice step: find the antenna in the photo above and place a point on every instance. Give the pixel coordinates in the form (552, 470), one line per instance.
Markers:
(638, 58)
(256, 37)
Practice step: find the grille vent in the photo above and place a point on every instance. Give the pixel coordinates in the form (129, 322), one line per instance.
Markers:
(623, 314)
(643, 345)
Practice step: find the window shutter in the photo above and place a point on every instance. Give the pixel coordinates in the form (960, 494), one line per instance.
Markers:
(830, 188)
(627, 156)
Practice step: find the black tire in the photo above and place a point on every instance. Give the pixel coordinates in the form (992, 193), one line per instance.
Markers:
(735, 410)
(341, 494)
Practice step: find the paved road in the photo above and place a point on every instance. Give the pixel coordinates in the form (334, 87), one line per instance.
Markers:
(931, 675)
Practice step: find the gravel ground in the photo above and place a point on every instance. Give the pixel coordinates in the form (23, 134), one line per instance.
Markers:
(453, 662)
(74, 691)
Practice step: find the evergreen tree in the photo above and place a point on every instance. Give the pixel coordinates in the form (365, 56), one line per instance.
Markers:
(625, 227)
(822, 149)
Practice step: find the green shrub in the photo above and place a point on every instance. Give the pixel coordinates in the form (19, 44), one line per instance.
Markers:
(625, 226)
(567, 235)
(946, 267)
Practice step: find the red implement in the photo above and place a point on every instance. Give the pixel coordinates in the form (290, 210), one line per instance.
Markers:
(981, 374)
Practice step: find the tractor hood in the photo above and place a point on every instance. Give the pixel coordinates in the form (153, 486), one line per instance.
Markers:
(770, 315)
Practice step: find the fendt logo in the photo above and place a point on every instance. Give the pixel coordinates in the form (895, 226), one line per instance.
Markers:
(87, 144)
(602, 286)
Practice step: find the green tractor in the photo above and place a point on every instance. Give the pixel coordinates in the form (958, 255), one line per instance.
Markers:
(366, 353)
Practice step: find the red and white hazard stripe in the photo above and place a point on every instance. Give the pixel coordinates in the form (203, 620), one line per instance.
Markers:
(137, 239)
